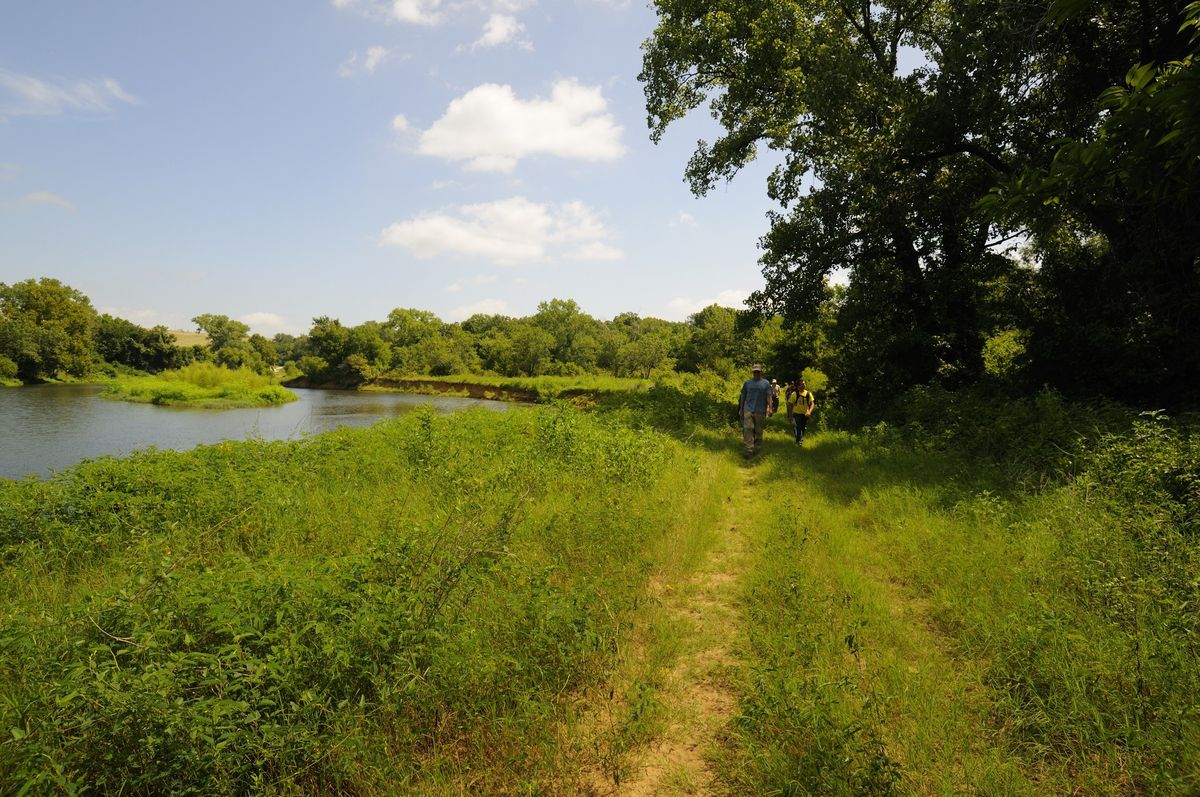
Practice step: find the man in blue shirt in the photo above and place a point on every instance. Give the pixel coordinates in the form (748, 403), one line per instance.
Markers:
(752, 410)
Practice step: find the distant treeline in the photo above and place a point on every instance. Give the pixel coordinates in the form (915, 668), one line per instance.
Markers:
(50, 331)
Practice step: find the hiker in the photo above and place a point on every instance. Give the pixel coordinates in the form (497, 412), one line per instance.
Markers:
(773, 407)
(800, 404)
(753, 403)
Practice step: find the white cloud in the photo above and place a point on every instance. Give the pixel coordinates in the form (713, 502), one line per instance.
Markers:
(501, 29)
(367, 63)
(491, 129)
(684, 306)
(30, 96)
(507, 231)
(400, 124)
(485, 306)
(482, 279)
(417, 12)
(266, 324)
(42, 198)
(684, 219)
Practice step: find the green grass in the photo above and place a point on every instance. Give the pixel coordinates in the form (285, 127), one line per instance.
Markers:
(201, 385)
(412, 608)
(916, 626)
(474, 604)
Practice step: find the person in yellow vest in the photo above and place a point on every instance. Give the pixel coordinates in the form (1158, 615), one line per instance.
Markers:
(800, 405)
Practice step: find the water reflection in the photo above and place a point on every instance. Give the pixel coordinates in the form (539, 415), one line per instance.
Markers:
(45, 428)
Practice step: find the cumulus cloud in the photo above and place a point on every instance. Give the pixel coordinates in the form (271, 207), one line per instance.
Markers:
(485, 306)
(266, 324)
(502, 29)
(366, 64)
(25, 95)
(684, 306)
(507, 231)
(491, 129)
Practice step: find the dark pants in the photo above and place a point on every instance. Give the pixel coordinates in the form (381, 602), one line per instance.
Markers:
(799, 420)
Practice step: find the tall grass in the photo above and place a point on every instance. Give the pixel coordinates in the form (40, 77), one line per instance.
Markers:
(929, 617)
(403, 609)
(201, 385)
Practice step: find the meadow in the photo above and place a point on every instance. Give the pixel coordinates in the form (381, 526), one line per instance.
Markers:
(414, 607)
(200, 384)
(599, 597)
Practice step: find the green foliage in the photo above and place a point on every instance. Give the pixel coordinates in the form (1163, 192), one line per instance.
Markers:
(1004, 354)
(122, 342)
(8, 369)
(908, 182)
(47, 328)
(201, 384)
(359, 612)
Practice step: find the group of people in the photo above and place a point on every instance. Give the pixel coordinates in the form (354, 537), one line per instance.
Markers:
(759, 400)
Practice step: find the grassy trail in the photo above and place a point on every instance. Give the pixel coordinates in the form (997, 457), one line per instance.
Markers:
(804, 659)
(698, 695)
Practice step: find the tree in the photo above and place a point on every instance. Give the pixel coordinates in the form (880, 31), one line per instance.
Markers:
(1114, 211)
(47, 328)
(222, 331)
(573, 331)
(645, 355)
(327, 340)
(713, 342)
(124, 342)
(532, 348)
(882, 172)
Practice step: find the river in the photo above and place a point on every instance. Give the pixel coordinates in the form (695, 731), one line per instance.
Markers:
(46, 428)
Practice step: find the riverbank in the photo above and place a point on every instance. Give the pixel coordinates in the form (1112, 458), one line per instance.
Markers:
(498, 388)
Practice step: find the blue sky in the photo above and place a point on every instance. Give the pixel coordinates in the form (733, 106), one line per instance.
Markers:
(275, 161)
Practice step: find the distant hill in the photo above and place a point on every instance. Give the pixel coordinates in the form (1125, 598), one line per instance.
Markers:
(185, 338)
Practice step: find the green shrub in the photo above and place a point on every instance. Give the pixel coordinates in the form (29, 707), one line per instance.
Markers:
(8, 368)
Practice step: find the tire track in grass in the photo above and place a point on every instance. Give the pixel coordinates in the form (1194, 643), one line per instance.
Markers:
(697, 696)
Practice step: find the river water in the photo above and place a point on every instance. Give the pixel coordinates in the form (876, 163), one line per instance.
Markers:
(46, 428)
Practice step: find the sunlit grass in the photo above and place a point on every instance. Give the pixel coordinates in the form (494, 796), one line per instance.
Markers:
(412, 608)
(201, 385)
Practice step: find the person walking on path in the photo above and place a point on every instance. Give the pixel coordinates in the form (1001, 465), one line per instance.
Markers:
(753, 402)
(800, 404)
(774, 405)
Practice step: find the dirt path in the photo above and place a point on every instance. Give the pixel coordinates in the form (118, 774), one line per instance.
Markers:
(698, 695)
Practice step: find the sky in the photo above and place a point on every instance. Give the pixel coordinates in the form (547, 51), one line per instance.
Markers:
(279, 160)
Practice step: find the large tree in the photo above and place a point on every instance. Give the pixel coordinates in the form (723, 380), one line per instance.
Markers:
(882, 169)
(47, 328)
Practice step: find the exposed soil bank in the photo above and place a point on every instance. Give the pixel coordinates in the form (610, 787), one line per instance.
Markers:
(468, 389)
(433, 387)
